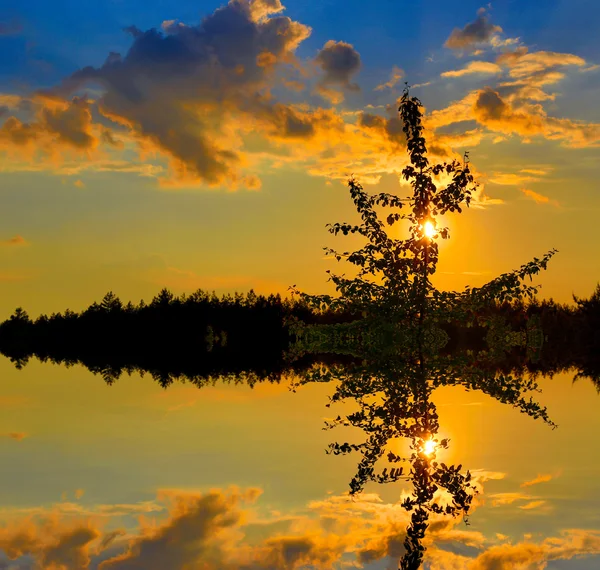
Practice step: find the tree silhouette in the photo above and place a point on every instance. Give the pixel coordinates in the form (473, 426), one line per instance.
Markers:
(399, 336)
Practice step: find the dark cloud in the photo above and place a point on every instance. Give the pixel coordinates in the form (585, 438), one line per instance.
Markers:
(339, 61)
(71, 123)
(191, 535)
(17, 133)
(178, 89)
(489, 106)
(108, 138)
(474, 33)
(391, 127)
(52, 544)
(56, 123)
(283, 552)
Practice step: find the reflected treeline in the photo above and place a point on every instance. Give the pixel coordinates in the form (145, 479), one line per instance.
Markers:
(201, 336)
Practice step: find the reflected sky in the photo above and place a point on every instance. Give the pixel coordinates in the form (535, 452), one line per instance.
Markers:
(138, 459)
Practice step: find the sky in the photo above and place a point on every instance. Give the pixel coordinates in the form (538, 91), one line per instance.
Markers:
(204, 145)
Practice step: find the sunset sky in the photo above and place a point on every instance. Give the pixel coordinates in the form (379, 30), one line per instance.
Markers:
(190, 144)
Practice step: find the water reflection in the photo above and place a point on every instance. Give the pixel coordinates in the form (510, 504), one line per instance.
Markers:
(398, 368)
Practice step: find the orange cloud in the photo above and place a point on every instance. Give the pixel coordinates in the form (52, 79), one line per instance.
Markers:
(513, 178)
(14, 241)
(497, 114)
(396, 75)
(532, 505)
(501, 499)
(482, 67)
(538, 198)
(55, 544)
(521, 63)
(16, 435)
(538, 479)
(57, 125)
(572, 543)
(213, 530)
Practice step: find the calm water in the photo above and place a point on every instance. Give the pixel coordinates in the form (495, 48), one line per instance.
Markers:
(134, 476)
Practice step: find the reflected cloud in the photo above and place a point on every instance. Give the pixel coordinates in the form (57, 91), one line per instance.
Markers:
(14, 241)
(539, 479)
(16, 435)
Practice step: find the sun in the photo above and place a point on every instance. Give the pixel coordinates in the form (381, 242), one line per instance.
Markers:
(429, 230)
(429, 447)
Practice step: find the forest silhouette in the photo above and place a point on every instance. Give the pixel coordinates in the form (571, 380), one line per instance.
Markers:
(202, 336)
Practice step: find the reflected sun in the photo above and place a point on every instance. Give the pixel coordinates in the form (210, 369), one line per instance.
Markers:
(429, 230)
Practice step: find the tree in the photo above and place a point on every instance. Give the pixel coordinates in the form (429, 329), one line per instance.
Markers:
(398, 336)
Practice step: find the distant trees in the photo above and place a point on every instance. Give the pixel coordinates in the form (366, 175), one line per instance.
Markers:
(189, 336)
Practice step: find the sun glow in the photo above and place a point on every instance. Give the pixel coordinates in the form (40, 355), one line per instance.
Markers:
(429, 230)
(429, 447)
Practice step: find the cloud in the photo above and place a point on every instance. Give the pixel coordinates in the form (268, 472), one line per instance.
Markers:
(532, 505)
(509, 115)
(480, 31)
(316, 551)
(217, 530)
(396, 75)
(531, 71)
(479, 67)
(512, 178)
(538, 199)
(196, 531)
(571, 544)
(521, 63)
(502, 499)
(539, 479)
(190, 93)
(338, 61)
(16, 435)
(14, 241)
(215, 104)
(53, 543)
(57, 125)
(498, 115)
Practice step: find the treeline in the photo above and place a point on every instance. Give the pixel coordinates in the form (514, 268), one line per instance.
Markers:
(201, 336)
(195, 336)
